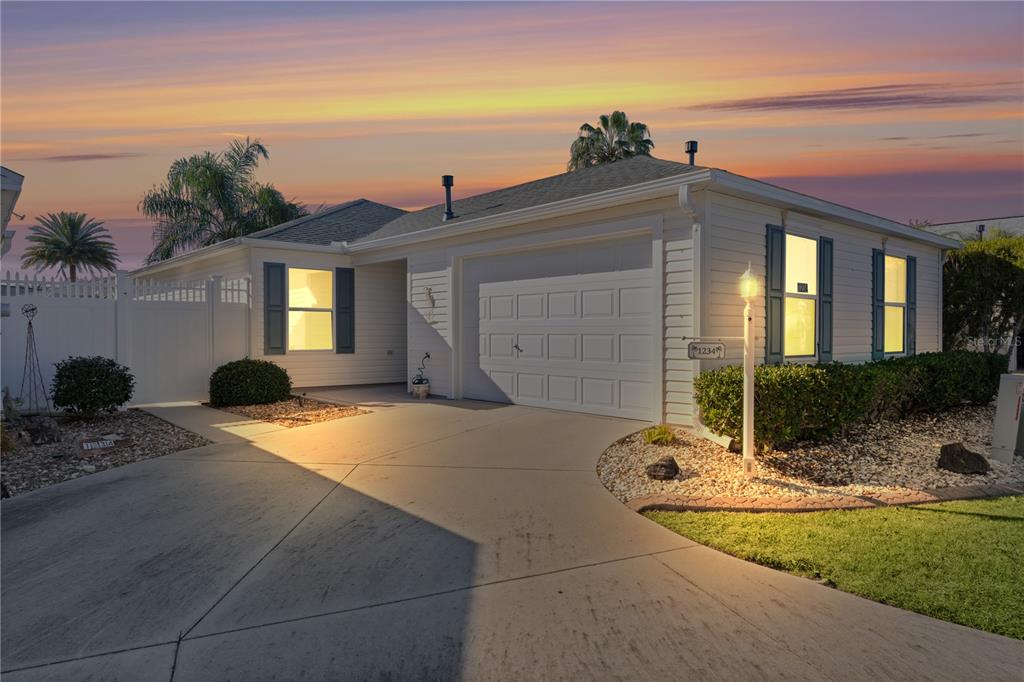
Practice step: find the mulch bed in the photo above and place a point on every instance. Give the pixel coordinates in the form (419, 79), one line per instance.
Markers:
(874, 462)
(136, 436)
(295, 411)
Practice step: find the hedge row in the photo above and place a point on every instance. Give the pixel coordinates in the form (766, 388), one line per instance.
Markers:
(815, 402)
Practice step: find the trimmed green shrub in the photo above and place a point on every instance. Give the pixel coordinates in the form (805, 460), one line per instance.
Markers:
(659, 435)
(815, 402)
(249, 382)
(85, 386)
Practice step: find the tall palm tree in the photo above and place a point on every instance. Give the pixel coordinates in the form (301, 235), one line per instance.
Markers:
(615, 138)
(210, 197)
(72, 242)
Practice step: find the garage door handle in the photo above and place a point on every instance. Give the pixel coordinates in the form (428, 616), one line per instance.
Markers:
(516, 346)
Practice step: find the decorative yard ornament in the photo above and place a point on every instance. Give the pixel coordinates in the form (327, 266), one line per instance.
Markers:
(35, 398)
(420, 383)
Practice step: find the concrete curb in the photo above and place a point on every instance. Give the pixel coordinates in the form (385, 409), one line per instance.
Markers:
(796, 504)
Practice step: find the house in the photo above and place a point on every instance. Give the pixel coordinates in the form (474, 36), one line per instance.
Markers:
(580, 291)
(969, 229)
(10, 190)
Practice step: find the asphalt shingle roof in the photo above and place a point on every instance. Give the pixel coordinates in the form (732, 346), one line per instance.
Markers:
(342, 223)
(569, 185)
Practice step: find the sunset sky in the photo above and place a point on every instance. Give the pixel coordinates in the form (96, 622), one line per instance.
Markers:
(905, 110)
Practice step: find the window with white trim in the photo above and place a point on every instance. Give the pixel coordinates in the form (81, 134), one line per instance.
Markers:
(801, 296)
(895, 312)
(310, 309)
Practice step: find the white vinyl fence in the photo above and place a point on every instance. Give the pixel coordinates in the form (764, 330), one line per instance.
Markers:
(171, 335)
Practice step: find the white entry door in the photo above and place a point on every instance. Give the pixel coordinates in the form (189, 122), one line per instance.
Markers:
(582, 342)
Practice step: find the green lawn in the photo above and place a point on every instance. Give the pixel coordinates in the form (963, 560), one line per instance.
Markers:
(959, 561)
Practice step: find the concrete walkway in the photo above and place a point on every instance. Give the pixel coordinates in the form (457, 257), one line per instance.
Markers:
(438, 540)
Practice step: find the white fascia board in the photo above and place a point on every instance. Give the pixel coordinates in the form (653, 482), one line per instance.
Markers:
(654, 189)
(746, 188)
(223, 247)
(289, 246)
(192, 256)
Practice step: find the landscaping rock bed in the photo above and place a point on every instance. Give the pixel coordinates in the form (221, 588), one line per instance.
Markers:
(884, 460)
(134, 435)
(295, 411)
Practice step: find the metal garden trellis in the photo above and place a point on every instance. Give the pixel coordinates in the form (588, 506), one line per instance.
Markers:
(32, 374)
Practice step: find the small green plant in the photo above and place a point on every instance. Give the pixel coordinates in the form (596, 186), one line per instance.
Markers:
(85, 386)
(249, 382)
(659, 435)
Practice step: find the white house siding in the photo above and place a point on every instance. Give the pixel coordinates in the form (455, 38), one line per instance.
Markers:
(380, 322)
(679, 314)
(735, 234)
(429, 315)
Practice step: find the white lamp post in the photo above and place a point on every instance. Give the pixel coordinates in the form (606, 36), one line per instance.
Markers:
(748, 290)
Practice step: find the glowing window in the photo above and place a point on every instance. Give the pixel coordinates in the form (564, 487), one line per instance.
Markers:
(801, 265)
(895, 303)
(894, 329)
(799, 317)
(310, 309)
(801, 302)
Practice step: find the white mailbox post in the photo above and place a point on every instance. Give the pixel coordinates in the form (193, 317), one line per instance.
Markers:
(1008, 429)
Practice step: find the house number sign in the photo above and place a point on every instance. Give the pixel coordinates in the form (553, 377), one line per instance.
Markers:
(704, 350)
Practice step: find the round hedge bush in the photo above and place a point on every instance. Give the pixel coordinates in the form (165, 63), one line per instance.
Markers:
(87, 385)
(249, 382)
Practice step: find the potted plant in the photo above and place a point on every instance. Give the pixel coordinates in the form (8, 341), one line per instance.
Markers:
(420, 383)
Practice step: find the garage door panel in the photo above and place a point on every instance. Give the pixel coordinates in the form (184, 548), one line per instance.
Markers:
(563, 347)
(501, 308)
(531, 346)
(563, 389)
(636, 301)
(598, 347)
(504, 382)
(530, 386)
(501, 346)
(530, 306)
(636, 348)
(599, 392)
(582, 342)
(562, 304)
(599, 303)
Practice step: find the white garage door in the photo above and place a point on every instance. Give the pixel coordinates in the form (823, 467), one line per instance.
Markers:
(582, 341)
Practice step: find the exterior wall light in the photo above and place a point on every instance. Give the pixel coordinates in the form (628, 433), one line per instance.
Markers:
(748, 291)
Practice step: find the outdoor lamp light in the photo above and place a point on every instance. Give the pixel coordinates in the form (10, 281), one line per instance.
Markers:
(748, 285)
(748, 290)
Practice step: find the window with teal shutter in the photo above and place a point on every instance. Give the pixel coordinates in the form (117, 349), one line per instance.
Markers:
(824, 299)
(775, 287)
(911, 305)
(274, 305)
(877, 304)
(345, 310)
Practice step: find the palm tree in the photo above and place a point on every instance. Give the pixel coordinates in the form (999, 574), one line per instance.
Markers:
(615, 138)
(210, 197)
(71, 242)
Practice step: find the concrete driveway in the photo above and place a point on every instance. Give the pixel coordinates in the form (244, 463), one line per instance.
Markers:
(440, 541)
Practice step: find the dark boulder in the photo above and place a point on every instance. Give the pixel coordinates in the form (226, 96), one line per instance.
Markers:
(665, 469)
(40, 430)
(958, 459)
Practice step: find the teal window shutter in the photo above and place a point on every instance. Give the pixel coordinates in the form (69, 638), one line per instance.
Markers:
(911, 337)
(345, 310)
(824, 299)
(775, 287)
(274, 309)
(877, 304)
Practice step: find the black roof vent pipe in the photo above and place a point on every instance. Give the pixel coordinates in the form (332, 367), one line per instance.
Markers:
(691, 149)
(447, 181)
